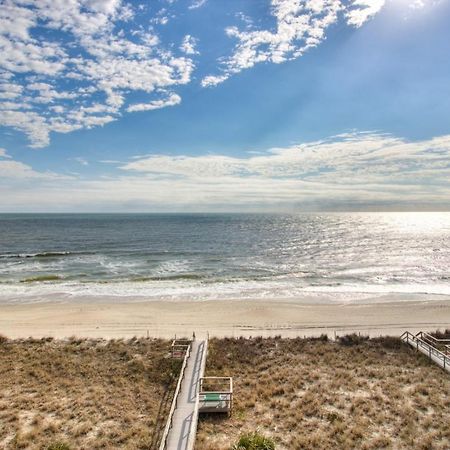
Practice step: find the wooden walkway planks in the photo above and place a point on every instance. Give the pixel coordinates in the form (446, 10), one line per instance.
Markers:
(184, 421)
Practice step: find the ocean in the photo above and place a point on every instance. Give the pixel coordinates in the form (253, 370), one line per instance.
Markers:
(331, 256)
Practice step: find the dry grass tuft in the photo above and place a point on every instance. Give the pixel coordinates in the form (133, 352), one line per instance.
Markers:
(316, 394)
(84, 393)
(442, 334)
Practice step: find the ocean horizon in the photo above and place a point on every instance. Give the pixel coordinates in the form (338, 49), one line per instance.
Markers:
(332, 256)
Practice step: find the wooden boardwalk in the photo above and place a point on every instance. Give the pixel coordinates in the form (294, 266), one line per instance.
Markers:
(184, 421)
(427, 347)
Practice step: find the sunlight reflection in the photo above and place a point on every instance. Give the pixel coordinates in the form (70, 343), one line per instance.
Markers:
(423, 222)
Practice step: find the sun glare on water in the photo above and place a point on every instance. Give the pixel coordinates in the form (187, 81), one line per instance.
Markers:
(419, 222)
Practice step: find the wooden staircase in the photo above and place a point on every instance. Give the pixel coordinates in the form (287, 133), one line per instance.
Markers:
(438, 350)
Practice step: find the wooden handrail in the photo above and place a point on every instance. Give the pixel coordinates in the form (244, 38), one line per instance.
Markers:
(427, 346)
(423, 333)
(436, 341)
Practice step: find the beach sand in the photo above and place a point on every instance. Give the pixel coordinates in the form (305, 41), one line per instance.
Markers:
(165, 319)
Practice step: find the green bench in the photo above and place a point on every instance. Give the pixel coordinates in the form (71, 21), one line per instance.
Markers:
(211, 398)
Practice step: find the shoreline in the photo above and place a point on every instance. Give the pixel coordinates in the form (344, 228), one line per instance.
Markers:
(306, 298)
(221, 318)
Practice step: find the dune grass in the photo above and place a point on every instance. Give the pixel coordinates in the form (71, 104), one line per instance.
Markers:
(84, 393)
(316, 394)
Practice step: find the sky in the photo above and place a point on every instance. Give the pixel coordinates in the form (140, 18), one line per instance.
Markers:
(224, 105)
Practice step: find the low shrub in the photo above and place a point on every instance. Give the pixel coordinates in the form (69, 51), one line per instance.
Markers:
(323, 338)
(389, 342)
(58, 446)
(441, 334)
(253, 441)
(352, 339)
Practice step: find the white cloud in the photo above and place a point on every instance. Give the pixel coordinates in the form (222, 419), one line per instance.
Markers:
(77, 64)
(197, 4)
(163, 20)
(188, 45)
(172, 100)
(300, 26)
(81, 160)
(81, 79)
(347, 159)
(10, 90)
(363, 168)
(417, 4)
(3, 153)
(14, 170)
(46, 94)
(213, 80)
(362, 10)
(31, 123)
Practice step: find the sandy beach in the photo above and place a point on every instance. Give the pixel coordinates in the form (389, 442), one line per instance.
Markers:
(112, 319)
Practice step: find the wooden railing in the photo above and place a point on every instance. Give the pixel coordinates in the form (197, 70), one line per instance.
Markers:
(218, 396)
(428, 349)
(436, 342)
(175, 400)
(179, 347)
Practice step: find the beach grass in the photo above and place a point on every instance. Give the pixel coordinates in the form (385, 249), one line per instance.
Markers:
(84, 393)
(355, 393)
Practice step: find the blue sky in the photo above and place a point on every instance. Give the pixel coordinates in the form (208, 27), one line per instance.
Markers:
(191, 105)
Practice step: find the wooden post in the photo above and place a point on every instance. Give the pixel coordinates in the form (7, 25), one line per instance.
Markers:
(231, 395)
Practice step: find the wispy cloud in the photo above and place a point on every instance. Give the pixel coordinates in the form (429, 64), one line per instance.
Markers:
(171, 100)
(16, 171)
(197, 4)
(81, 161)
(348, 159)
(350, 171)
(361, 11)
(3, 153)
